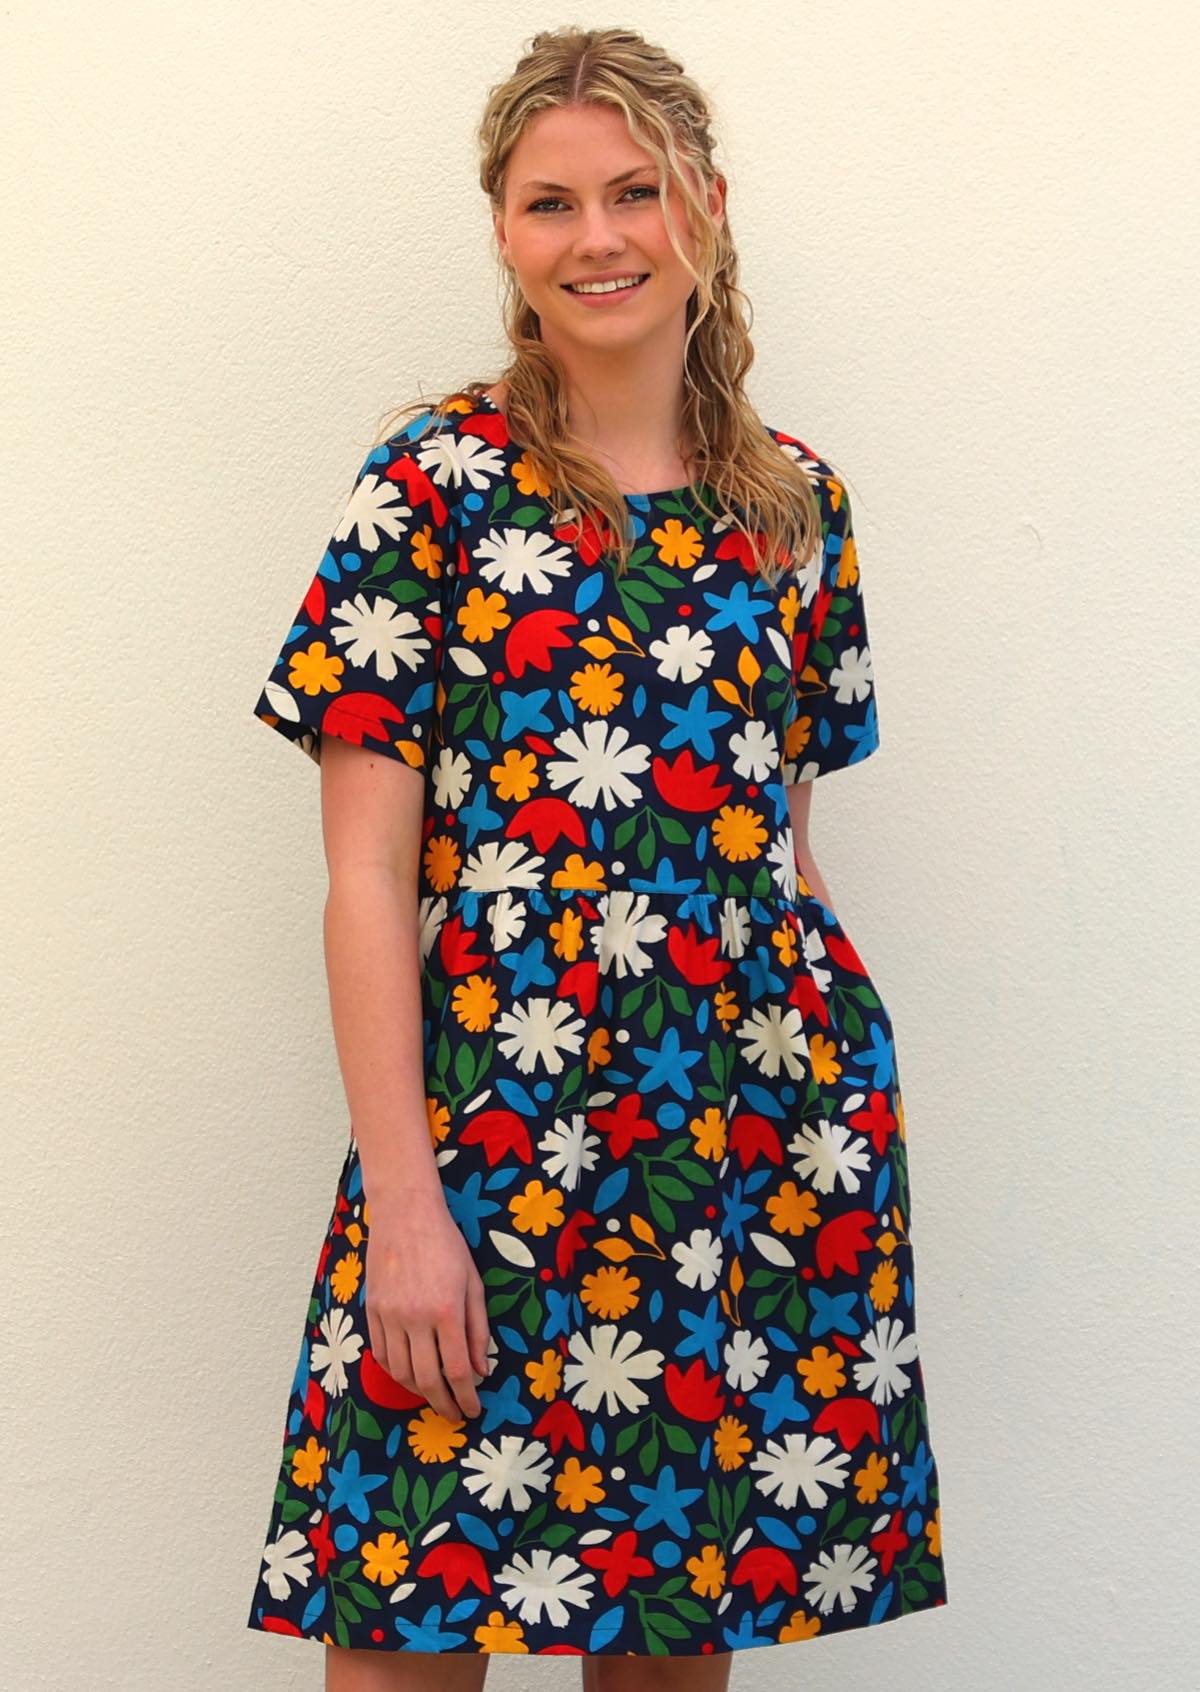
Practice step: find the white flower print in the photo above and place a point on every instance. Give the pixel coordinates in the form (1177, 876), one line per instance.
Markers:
(450, 778)
(539, 1028)
(888, 1348)
(377, 630)
(842, 1572)
(606, 1367)
(431, 914)
(682, 654)
(781, 855)
(507, 916)
(746, 1359)
(543, 1581)
(797, 1465)
(597, 764)
(699, 1258)
(377, 507)
(341, 1345)
(515, 559)
(755, 750)
(735, 927)
(852, 676)
(629, 926)
(828, 1152)
(569, 1149)
(451, 459)
(498, 864)
(287, 1560)
(774, 1037)
(515, 1469)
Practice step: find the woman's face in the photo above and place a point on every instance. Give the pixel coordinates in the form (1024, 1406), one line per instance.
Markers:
(566, 219)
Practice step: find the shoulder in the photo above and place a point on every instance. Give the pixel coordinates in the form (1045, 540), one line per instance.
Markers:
(822, 475)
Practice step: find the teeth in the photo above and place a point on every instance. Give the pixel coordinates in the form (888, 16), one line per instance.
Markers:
(604, 287)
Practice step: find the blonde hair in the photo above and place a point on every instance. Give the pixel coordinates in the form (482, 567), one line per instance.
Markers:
(767, 493)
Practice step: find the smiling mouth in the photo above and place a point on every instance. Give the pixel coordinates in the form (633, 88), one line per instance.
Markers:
(604, 290)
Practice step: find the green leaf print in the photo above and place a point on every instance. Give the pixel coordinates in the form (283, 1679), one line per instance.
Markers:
(648, 1455)
(531, 1313)
(384, 566)
(292, 1509)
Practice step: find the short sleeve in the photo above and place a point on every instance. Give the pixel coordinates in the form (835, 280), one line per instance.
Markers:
(833, 681)
(361, 658)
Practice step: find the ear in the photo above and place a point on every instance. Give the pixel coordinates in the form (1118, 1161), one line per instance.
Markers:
(716, 199)
(498, 231)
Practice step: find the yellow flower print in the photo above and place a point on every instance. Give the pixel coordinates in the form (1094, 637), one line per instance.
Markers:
(316, 670)
(738, 833)
(710, 1133)
(847, 575)
(823, 1372)
(789, 606)
(499, 1634)
(708, 1570)
(871, 1479)
(481, 615)
(427, 555)
(474, 1003)
(933, 1532)
(567, 934)
(439, 1121)
(433, 1438)
(599, 1049)
(799, 1625)
(792, 1211)
(345, 1276)
(308, 1463)
(442, 862)
(783, 939)
(545, 1375)
(385, 1559)
(885, 1285)
(727, 1008)
(679, 545)
(730, 1442)
(530, 477)
(609, 1292)
(823, 1059)
(597, 688)
(515, 776)
(587, 878)
(537, 1209)
(577, 1487)
(796, 738)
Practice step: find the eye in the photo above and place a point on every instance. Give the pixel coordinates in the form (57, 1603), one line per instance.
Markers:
(634, 188)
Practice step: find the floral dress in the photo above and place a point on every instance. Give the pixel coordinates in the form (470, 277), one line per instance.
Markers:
(660, 1081)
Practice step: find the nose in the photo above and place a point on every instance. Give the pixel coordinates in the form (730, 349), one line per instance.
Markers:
(598, 236)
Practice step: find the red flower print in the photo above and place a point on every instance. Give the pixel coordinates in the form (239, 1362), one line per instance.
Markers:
(693, 1393)
(620, 1562)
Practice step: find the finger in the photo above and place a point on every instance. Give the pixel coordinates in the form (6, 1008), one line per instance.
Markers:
(377, 1337)
(477, 1325)
(427, 1371)
(456, 1367)
(401, 1368)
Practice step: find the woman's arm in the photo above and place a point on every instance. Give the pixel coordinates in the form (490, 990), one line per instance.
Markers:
(425, 1303)
(799, 796)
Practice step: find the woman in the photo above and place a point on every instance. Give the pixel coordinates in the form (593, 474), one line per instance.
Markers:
(611, 1349)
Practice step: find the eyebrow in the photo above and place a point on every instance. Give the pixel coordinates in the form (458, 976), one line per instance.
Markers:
(559, 188)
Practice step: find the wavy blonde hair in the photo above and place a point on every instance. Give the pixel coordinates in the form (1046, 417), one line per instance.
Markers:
(767, 494)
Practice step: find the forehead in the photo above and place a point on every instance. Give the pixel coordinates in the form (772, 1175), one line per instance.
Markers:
(576, 146)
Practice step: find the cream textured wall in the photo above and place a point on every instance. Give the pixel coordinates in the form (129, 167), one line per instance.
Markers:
(235, 234)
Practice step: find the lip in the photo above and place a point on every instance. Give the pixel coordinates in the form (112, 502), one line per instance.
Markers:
(596, 300)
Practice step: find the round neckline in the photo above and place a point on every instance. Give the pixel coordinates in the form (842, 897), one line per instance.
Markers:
(654, 494)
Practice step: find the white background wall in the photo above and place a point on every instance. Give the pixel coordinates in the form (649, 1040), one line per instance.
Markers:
(237, 233)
